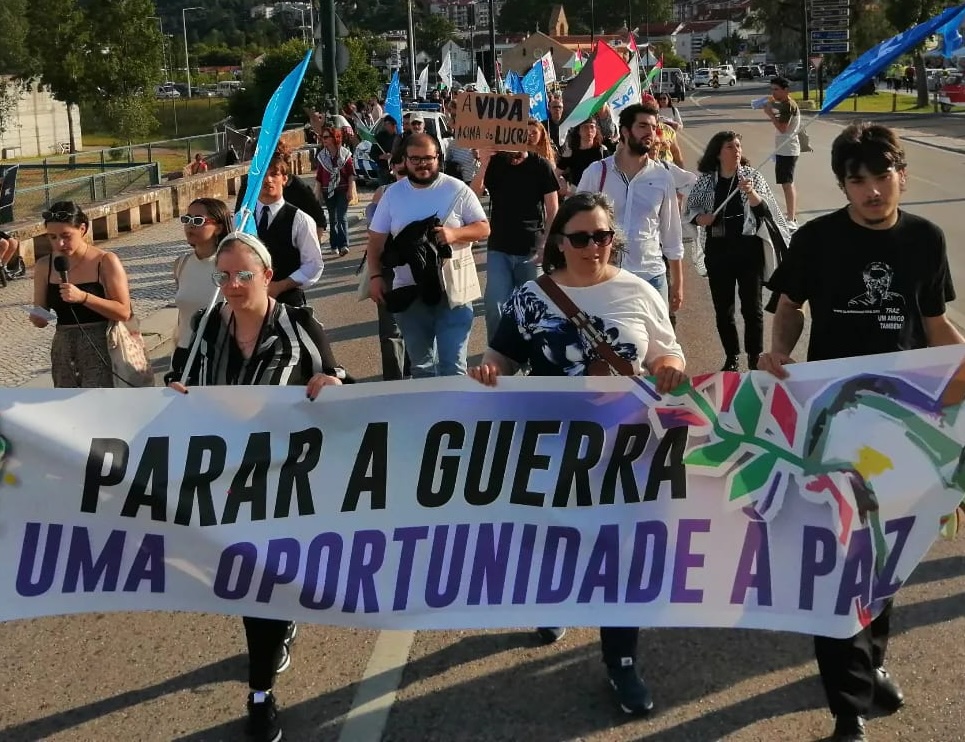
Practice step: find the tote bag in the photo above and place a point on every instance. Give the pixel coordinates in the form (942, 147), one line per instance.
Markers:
(128, 355)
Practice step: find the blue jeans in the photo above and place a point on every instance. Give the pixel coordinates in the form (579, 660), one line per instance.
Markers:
(436, 338)
(504, 273)
(337, 206)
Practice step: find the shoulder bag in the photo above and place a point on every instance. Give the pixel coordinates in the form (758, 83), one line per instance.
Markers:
(609, 363)
(128, 355)
(458, 274)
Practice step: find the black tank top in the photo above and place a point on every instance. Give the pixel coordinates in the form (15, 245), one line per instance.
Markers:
(74, 314)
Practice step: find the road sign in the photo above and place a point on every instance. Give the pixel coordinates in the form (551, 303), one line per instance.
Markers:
(830, 47)
(816, 5)
(825, 35)
(819, 15)
(816, 60)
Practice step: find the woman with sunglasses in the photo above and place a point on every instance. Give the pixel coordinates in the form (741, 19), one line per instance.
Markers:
(335, 185)
(626, 313)
(251, 339)
(207, 222)
(86, 297)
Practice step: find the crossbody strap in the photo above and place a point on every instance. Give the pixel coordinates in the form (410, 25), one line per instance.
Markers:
(582, 322)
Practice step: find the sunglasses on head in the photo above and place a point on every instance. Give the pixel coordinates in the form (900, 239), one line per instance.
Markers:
(196, 221)
(600, 238)
(222, 278)
(57, 216)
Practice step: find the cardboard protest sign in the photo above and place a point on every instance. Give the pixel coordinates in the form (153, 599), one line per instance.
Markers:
(492, 121)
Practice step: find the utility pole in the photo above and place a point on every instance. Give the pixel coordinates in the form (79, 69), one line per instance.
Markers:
(492, 43)
(412, 50)
(805, 63)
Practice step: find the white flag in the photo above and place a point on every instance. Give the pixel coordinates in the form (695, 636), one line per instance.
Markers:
(549, 69)
(422, 86)
(481, 85)
(445, 72)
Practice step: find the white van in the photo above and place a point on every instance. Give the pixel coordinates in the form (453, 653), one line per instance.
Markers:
(665, 79)
(227, 88)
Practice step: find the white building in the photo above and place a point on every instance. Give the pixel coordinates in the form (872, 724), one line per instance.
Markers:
(461, 62)
(459, 14)
(37, 126)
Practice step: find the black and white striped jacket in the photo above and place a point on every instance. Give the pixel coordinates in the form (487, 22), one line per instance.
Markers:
(292, 348)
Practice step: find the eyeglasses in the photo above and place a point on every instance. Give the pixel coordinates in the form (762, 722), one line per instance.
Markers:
(417, 123)
(420, 160)
(326, 136)
(57, 216)
(196, 221)
(223, 278)
(600, 238)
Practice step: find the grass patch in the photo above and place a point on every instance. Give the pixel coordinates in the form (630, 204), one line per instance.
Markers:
(882, 102)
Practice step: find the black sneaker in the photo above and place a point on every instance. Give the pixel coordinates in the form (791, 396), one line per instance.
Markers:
(752, 362)
(262, 723)
(550, 634)
(632, 693)
(285, 655)
(731, 364)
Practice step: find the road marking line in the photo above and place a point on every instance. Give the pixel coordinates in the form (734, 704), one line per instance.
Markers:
(376, 693)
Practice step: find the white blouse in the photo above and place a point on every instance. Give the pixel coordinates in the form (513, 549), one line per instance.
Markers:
(194, 292)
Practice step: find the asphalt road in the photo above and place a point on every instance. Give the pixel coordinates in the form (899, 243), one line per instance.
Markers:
(181, 676)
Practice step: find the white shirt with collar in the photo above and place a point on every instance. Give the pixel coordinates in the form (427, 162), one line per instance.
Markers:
(305, 239)
(647, 211)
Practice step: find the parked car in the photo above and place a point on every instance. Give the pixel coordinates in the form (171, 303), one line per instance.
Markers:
(952, 92)
(744, 73)
(770, 70)
(756, 71)
(166, 92)
(706, 76)
(366, 169)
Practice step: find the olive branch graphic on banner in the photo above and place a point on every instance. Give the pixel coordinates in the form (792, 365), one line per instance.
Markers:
(758, 438)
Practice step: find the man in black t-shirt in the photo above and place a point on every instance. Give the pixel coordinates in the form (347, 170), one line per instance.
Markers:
(877, 281)
(386, 140)
(523, 194)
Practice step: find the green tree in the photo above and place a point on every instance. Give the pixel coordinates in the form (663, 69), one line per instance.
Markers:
(16, 59)
(124, 64)
(904, 14)
(432, 33)
(361, 79)
(62, 66)
(248, 106)
(709, 56)
(665, 50)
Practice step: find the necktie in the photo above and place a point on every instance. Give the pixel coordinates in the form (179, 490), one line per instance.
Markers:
(263, 223)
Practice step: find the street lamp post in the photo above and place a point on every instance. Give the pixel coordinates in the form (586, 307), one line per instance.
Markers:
(184, 25)
(164, 52)
(492, 42)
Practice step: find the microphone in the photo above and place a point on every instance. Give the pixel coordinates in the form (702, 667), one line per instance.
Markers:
(62, 265)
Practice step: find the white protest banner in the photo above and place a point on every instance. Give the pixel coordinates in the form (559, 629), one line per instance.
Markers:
(496, 121)
(737, 501)
(627, 92)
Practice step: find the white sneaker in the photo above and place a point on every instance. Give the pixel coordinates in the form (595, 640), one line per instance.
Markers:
(792, 225)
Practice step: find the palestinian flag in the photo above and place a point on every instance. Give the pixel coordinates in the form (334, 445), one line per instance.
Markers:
(648, 83)
(592, 87)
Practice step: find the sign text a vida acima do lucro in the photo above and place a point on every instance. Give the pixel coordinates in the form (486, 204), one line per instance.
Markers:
(492, 121)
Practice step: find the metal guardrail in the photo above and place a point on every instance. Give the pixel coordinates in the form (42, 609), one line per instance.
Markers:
(90, 188)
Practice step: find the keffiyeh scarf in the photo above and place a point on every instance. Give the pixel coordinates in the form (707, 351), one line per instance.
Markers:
(333, 166)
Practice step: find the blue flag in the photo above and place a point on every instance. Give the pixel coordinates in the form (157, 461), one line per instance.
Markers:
(868, 64)
(272, 123)
(534, 85)
(513, 84)
(393, 99)
(951, 34)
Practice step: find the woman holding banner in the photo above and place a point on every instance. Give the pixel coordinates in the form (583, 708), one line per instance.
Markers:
(249, 338)
(587, 317)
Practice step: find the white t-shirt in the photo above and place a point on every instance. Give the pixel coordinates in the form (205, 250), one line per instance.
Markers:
(195, 289)
(448, 198)
(627, 309)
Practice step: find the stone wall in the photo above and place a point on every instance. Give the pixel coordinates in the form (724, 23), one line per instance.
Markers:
(38, 126)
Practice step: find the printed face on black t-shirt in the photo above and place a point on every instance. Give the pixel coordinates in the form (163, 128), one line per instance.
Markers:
(869, 290)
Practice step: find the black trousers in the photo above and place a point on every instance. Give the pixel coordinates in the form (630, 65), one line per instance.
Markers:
(847, 666)
(737, 264)
(618, 642)
(265, 637)
(395, 362)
